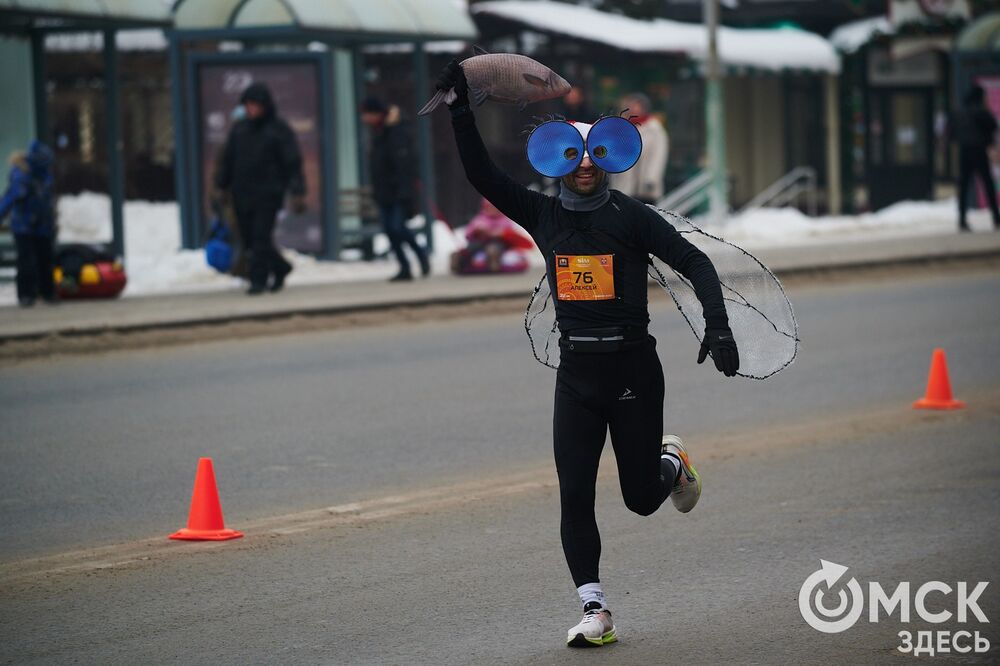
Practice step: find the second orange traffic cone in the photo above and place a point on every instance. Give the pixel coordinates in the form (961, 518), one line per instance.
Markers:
(205, 521)
(938, 395)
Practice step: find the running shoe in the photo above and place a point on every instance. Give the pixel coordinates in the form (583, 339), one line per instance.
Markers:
(595, 629)
(687, 487)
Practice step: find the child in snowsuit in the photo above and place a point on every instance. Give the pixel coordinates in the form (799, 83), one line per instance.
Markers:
(29, 201)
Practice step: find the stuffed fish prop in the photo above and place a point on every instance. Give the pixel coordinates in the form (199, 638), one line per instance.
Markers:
(760, 314)
(507, 78)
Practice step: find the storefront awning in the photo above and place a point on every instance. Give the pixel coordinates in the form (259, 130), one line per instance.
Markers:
(774, 49)
(356, 20)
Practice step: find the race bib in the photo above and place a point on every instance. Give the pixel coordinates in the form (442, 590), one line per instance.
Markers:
(585, 277)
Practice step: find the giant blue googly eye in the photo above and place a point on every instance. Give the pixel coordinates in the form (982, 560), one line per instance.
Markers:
(614, 144)
(555, 148)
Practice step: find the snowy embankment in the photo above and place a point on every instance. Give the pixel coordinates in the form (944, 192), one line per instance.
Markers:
(156, 264)
(777, 227)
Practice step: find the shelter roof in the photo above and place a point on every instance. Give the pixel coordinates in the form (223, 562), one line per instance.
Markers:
(983, 34)
(763, 48)
(82, 14)
(382, 19)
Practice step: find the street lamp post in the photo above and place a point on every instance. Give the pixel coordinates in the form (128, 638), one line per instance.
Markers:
(715, 128)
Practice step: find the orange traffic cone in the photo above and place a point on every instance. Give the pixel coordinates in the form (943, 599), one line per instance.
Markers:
(205, 519)
(938, 394)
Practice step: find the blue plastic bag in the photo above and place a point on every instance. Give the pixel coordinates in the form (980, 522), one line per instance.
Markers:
(219, 248)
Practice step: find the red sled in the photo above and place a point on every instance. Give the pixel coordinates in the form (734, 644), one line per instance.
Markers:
(465, 262)
(88, 271)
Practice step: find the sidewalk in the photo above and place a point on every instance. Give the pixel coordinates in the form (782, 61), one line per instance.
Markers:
(179, 310)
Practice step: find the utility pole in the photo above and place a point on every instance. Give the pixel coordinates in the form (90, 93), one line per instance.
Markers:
(715, 125)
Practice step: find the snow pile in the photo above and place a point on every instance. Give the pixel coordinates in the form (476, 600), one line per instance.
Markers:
(773, 227)
(850, 37)
(155, 262)
(772, 49)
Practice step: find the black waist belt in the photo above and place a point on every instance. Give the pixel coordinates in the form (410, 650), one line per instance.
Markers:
(602, 340)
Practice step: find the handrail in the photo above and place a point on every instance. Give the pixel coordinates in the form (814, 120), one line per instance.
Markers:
(801, 179)
(689, 195)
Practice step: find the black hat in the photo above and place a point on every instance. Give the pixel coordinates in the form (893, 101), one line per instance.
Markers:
(374, 105)
(259, 94)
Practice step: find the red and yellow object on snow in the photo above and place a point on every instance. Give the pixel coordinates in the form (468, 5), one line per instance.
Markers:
(86, 272)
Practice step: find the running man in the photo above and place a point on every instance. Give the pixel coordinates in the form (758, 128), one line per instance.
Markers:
(596, 244)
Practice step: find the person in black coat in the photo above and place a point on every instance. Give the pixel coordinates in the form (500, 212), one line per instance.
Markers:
(974, 127)
(392, 181)
(259, 163)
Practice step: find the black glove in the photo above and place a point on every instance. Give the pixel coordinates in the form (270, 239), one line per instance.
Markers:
(452, 76)
(720, 342)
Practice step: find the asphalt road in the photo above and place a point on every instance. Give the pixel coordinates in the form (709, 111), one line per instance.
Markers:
(824, 461)
(890, 495)
(103, 448)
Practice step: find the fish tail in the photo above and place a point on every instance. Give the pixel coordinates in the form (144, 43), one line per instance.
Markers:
(432, 104)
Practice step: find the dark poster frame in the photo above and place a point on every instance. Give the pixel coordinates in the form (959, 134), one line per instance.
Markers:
(329, 219)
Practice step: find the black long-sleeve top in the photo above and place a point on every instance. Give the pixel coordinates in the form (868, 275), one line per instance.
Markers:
(623, 227)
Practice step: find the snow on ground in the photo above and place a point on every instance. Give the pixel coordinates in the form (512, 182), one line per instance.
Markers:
(156, 264)
(776, 227)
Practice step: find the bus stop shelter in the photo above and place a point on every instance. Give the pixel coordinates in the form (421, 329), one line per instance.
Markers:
(23, 27)
(976, 58)
(276, 29)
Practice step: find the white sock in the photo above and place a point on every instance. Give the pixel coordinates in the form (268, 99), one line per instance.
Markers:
(591, 592)
(675, 461)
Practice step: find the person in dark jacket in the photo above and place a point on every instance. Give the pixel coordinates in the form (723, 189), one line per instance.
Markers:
(259, 163)
(29, 201)
(392, 181)
(974, 127)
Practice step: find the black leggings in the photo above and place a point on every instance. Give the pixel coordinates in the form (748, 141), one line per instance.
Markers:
(622, 391)
(34, 266)
(975, 162)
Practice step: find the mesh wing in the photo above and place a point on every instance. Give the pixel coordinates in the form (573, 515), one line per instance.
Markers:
(760, 313)
(540, 324)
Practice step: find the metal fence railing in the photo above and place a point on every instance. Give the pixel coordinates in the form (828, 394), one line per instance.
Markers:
(786, 190)
(689, 195)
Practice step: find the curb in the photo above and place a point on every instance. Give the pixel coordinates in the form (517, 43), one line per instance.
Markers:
(790, 269)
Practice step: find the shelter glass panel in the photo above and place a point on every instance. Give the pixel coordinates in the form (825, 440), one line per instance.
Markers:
(909, 139)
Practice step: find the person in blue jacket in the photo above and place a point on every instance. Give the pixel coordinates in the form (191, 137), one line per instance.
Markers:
(29, 202)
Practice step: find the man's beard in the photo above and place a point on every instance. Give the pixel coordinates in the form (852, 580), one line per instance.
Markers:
(584, 186)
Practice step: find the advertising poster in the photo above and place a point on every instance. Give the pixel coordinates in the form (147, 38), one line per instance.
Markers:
(295, 88)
